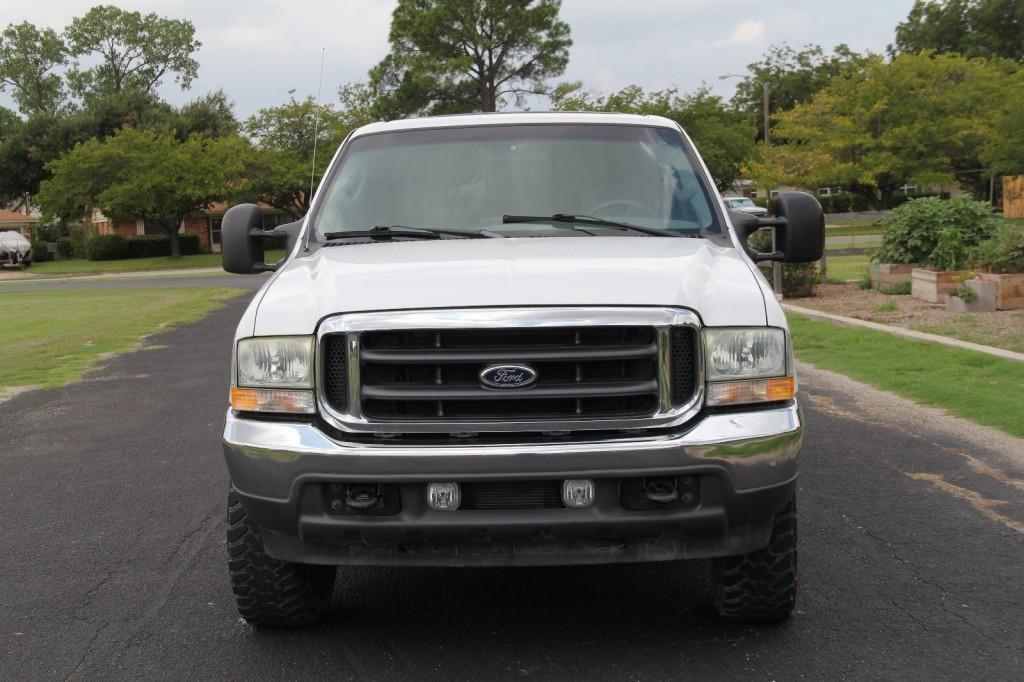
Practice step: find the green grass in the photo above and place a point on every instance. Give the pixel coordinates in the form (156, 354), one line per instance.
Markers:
(1002, 330)
(51, 338)
(979, 387)
(843, 268)
(79, 267)
(853, 228)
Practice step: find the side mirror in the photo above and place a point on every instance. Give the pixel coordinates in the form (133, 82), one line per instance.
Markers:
(241, 249)
(243, 237)
(799, 227)
(802, 238)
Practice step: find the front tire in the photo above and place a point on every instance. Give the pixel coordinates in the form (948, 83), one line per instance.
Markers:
(761, 586)
(270, 592)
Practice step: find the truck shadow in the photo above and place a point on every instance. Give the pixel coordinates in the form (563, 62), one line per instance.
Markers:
(599, 621)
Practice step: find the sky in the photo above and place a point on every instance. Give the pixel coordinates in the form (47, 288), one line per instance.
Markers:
(258, 50)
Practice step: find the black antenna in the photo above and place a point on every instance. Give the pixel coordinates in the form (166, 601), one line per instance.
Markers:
(316, 123)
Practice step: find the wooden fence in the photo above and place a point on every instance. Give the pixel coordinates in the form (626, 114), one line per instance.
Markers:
(1013, 196)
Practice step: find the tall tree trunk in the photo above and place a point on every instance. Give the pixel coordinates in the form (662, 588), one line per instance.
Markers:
(172, 234)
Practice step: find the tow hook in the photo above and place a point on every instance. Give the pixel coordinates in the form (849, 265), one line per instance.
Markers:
(362, 496)
(661, 490)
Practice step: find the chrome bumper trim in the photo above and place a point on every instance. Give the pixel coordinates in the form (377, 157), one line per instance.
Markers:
(755, 448)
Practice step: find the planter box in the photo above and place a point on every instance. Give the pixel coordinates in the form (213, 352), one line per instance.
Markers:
(984, 299)
(1009, 290)
(933, 285)
(884, 275)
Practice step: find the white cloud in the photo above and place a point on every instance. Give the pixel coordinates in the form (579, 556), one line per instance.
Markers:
(745, 33)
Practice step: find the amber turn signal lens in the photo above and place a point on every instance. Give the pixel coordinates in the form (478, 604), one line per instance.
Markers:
(751, 391)
(272, 400)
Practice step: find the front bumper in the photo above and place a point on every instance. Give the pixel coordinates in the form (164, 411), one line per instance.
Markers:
(746, 461)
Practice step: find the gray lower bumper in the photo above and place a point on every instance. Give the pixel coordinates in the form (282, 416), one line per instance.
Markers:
(749, 459)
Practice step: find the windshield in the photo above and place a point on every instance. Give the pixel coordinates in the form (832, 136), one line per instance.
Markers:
(469, 178)
(737, 203)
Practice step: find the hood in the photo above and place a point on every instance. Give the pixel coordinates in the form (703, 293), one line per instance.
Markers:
(714, 281)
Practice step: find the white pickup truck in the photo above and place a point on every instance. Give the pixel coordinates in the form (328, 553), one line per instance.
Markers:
(514, 339)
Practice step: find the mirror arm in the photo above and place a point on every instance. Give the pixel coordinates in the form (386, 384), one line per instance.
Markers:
(758, 256)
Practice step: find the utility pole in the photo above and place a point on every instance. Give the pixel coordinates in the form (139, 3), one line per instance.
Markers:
(776, 265)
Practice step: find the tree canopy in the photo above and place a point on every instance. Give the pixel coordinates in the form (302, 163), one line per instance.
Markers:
(469, 55)
(793, 77)
(148, 174)
(135, 51)
(28, 60)
(920, 118)
(724, 136)
(973, 28)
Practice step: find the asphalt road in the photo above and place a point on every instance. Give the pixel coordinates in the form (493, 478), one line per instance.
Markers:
(112, 561)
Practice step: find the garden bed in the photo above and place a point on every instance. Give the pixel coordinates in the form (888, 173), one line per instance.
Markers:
(1003, 329)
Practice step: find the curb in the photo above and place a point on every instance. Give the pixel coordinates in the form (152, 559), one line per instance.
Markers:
(138, 274)
(905, 333)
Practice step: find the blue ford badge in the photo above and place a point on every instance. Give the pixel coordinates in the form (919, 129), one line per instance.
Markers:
(508, 376)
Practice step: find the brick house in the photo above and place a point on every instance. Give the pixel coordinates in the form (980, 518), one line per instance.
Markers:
(204, 224)
(10, 220)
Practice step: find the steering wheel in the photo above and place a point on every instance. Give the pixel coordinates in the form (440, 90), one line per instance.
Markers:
(630, 209)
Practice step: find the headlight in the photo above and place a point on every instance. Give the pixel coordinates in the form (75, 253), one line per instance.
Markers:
(276, 362)
(747, 365)
(274, 374)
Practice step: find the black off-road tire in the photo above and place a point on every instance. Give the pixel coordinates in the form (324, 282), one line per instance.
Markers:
(761, 586)
(269, 592)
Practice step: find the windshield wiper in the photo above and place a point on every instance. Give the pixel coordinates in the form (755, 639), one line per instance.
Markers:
(389, 231)
(589, 220)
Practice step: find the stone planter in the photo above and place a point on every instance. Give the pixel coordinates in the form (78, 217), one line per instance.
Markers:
(885, 275)
(984, 299)
(1009, 290)
(933, 285)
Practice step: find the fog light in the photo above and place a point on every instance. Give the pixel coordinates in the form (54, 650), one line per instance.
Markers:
(444, 496)
(578, 493)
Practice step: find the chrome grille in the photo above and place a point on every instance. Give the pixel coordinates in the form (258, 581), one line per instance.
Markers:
(581, 373)
(596, 369)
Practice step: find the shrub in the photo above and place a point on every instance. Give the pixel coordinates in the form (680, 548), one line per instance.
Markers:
(65, 248)
(108, 247)
(155, 247)
(898, 289)
(798, 279)
(865, 282)
(934, 232)
(1001, 253)
(80, 235)
(39, 252)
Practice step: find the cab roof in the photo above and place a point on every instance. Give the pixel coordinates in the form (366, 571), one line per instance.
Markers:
(515, 118)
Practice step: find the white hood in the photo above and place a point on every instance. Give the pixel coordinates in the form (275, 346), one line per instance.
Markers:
(715, 282)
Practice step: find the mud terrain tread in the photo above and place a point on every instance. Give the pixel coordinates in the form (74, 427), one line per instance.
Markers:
(761, 585)
(269, 592)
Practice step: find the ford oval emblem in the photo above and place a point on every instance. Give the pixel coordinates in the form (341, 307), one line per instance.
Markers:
(508, 376)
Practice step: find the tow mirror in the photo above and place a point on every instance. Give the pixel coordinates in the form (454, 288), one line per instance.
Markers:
(243, 239)
(799, 227)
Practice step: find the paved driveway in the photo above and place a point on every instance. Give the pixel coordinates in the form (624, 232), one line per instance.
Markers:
(112, 561)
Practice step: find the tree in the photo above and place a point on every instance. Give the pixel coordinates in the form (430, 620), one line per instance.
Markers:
(793, 77)
(147, 174)
(973, 28)
(469, 55)
(211, 115)
(279, 169)
(920, 118)
(136, 51)
(28, 58)
(724, 136)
